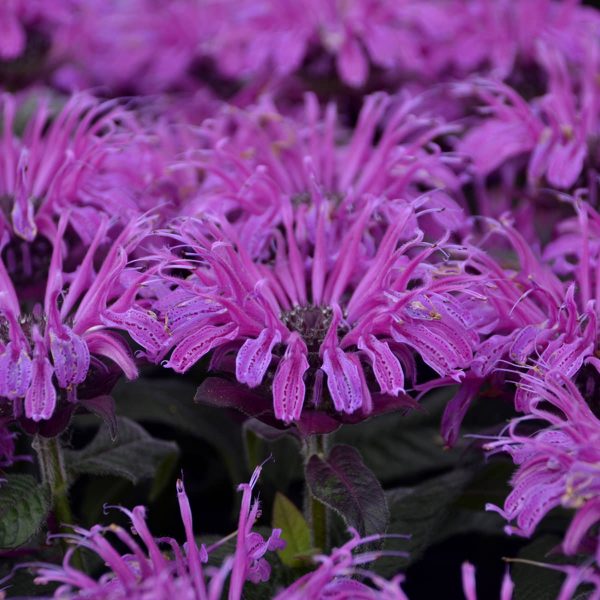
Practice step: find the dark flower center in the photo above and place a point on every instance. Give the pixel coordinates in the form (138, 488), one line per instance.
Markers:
(27, 321)
(311, 322)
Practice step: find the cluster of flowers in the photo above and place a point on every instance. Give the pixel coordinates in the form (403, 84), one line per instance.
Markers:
(148, 573)
(114, 45)
(334, 260)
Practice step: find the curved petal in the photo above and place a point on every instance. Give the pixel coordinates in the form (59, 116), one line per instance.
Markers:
(254, 357)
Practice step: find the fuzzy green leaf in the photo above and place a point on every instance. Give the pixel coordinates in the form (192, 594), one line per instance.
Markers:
(134, 455)
(343, 483)
(24, 505)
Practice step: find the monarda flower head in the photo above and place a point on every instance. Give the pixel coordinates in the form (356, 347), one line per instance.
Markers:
(317, 267)
(281, 38)
(557, 465)
(125, 46)
(536, 322)
(419, 40)
(146, 571)
(49, 350)
(552, 135)
(257, 160)
(51, 166)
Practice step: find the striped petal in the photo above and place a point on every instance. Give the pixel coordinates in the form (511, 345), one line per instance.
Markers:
(343, 380)
(40, 398)
(71, 357)
(288, 385)
(197, 344)
(254, 357)
(386, 366)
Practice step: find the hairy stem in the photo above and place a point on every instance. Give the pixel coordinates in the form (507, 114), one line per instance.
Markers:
(54, 475)
(316, 511)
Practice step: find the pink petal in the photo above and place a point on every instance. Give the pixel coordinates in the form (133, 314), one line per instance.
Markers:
(343, 380)
(12, 36)
(141, 326)
(352, 64)
(254, 357)
(40, 398)
(386, 366)
(71, 357)
(15, 372)
(197, 344)
(112, 347)
(288, 385)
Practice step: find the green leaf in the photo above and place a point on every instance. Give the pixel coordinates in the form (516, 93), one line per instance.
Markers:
(134, 455)
(253, 445)
(537, 583)
(24, 505)
(419, 512)
(163, 475)
(294, 530)
(171, 402)
(343, 483)
(397, 446)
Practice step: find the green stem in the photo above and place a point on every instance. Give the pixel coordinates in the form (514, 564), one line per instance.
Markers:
(54, 475)
(316, 511)
(318, 524)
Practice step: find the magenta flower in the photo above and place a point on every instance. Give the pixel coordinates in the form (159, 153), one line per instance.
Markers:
(557, 465)
(147, 572)
(19, 16)
(551, 133)
(258, 39)
(52, 167)
(336, 576)
(337, 316)
(144, 46)
(421, 40)
(47, 351)
(321, 269)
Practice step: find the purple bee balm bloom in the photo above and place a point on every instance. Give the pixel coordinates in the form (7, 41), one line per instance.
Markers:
(140, 46)
(335, 577)
(52, 167)
(19, 16)
(147, 572)
(422, 40)
(314, 309)
(280, 36)
(552, 132)
(495, 38)
(47, 351)
(256, 158)
(316, 266)
(557, 465)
